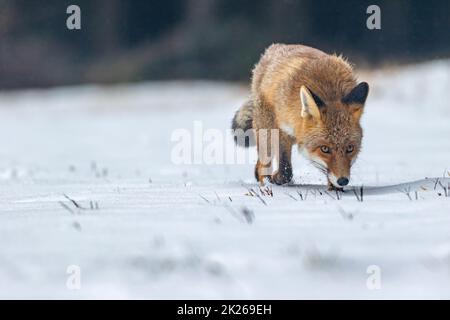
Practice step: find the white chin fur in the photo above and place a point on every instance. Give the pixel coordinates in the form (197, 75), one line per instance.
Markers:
(333, 180)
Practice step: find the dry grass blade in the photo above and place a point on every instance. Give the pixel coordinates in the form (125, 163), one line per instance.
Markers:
(329, 194)
(356, 195)
(262, 200)
(78, 206)
(268, 190)
(301, 195)
(66, 207)
(204, 198)
(245, 213)
(251, 192)
(444, 188)
(407, 191)
(233, 212)
(436, 183)
(290, 196)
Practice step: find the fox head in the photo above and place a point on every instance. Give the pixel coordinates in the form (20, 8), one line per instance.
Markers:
(333, 132)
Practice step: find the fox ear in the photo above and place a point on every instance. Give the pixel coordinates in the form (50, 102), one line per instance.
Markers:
(310, 103)
(358, 95)
(356, 99)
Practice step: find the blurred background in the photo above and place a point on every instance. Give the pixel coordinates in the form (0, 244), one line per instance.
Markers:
(123, 41)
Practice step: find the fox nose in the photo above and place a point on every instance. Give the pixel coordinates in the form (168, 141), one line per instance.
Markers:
(342, 181)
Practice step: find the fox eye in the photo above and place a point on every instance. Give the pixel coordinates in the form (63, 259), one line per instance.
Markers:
(325, 149)
(350, 148)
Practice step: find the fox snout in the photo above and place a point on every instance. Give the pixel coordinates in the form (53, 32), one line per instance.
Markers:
(339, 171)
(339, 182)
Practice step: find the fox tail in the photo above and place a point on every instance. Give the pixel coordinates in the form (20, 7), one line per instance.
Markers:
(242, 124)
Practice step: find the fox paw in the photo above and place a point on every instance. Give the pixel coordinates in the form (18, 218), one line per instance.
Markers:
(279, 178)
(264, 180)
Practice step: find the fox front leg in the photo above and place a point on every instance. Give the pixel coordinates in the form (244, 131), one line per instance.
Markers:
(263, 168)
(262, 172)
(284, 173)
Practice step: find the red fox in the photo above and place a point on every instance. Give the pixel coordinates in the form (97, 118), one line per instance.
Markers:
(312, 99)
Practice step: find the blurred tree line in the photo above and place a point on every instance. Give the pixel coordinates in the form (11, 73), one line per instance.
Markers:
(213, 39)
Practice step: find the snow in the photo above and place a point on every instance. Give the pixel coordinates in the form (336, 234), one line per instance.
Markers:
(150, 228)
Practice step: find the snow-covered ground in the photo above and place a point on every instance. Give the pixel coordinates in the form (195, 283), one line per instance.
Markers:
(149, 228)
